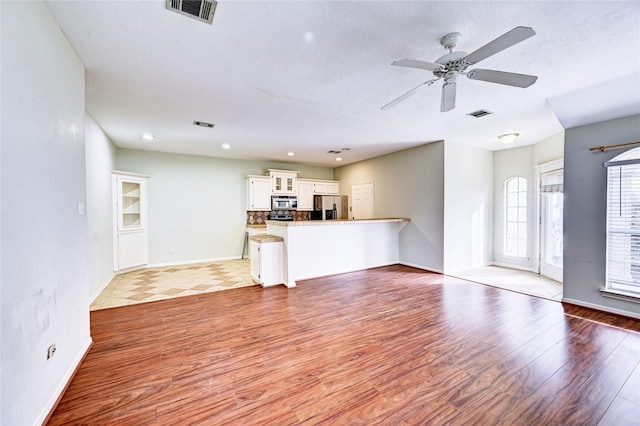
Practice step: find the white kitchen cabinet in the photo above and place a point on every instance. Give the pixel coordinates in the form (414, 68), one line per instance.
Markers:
(254, 230)
(305, 195)
(326, 188)
(267, 259)
(259, 193)
(283, 182)
(130, 220)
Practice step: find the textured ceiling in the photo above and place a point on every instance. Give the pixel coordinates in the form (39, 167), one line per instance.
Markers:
(309, 77)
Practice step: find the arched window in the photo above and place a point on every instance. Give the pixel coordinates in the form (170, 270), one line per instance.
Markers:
(623, 223)
(515, 229)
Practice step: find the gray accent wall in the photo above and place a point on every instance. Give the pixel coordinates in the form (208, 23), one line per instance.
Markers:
(44, 263)
(197, 205)
(585, 183)
(407, 183)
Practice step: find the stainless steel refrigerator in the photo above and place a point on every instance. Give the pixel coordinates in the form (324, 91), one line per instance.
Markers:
(329, 207)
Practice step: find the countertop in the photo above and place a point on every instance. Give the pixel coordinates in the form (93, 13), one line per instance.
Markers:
(336, 222)
(266, 238)
(257, 225)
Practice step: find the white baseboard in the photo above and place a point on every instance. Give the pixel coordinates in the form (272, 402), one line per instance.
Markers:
(101, 288)
(130, 269)
(602, 308)
(424, 268)
(512, 266)
(53, 401)
(189, 262)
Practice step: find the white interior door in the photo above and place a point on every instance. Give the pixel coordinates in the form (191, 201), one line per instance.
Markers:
(363, 200)
(551, 207)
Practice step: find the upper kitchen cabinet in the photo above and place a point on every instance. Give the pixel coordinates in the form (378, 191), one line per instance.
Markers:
(259, 193)
(326, 187)
(305, 194)
(283, 182)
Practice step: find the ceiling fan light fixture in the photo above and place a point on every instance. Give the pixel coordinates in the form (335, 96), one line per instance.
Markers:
(508, 138)
(148, 137)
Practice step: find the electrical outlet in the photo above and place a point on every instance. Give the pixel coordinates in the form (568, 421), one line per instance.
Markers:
(172, 250)
(51, 350)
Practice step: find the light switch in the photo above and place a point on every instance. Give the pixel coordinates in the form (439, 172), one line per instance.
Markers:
(80, 208)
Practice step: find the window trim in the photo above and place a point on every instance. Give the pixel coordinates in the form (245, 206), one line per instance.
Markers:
(506, 206)
(608, 291)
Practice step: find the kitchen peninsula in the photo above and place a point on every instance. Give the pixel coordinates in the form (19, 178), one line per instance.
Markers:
(319, 248)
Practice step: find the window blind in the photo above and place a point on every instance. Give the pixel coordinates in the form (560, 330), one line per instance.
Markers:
(552, 182)
(623, 226)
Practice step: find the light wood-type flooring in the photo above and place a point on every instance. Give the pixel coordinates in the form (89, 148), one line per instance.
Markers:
(386, 346)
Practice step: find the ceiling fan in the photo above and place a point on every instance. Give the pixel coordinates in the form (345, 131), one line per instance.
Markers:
(453, 64)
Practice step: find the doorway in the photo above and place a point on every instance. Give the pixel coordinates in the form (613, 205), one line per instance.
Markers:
(550, 259)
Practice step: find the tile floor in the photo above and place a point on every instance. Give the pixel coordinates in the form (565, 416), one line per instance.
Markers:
(146, 285)
(515, 280)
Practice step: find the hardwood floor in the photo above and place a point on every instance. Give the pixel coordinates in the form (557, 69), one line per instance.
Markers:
(392, 345)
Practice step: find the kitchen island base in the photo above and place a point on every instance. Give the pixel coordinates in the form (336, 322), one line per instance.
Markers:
(319, 248)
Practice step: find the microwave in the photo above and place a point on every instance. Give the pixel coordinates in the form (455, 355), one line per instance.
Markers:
(284, 202)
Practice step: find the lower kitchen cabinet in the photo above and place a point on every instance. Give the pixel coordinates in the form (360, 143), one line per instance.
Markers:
(267, 259)
(251, 231)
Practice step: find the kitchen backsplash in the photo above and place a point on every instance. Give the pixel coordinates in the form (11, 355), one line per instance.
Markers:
(301, 216)
(259, 217)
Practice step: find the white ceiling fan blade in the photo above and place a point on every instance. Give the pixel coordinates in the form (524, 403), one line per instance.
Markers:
(506, 40)
(414, 63)
(448, 99)
(406, 95)
(501, 77)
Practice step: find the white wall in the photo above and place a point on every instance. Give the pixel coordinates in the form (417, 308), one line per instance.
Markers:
(521, 161)
(407, 183)
(585, 180)
(45, 296)
(509, 163)
(100, 154)
(468, 206)
(197, 205)
(549, 149)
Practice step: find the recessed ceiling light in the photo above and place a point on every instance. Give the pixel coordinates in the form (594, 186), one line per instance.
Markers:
(338, 158)
(148, 137)
(226, 146)
(291, 154)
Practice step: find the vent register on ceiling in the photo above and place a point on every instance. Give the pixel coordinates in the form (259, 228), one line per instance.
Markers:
(202, 10)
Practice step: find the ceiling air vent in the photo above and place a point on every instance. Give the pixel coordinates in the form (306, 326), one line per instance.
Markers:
(203, 124)
(479, 113)
(202, 10)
